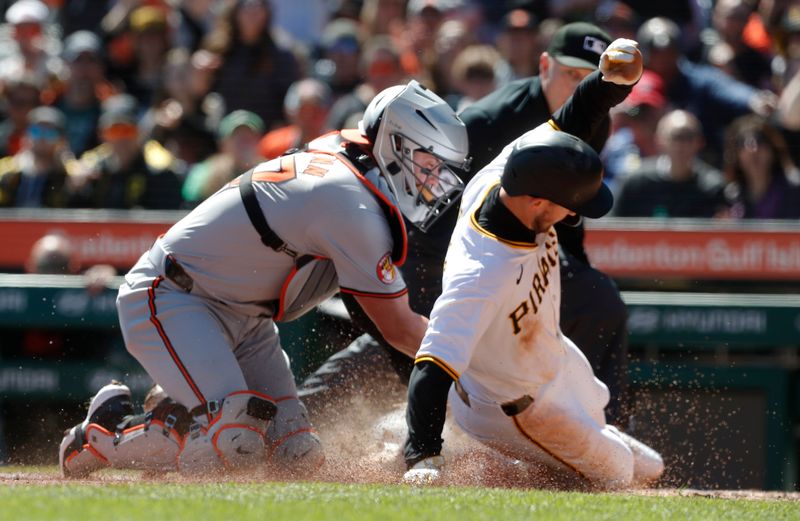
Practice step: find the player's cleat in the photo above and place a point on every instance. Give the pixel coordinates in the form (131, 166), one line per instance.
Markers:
(108, 408)
(425, 472)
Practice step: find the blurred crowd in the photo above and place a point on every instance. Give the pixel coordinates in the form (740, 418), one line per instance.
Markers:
(156, 104)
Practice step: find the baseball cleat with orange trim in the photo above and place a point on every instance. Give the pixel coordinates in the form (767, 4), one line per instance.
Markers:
(107, 409)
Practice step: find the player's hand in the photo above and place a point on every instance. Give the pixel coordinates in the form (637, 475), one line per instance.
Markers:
(425, 472)
(621, 62)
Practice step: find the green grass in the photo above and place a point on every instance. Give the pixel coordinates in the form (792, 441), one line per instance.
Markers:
(324, 501)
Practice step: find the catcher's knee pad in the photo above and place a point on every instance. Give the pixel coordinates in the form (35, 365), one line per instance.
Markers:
(294, 446)
(235, 437)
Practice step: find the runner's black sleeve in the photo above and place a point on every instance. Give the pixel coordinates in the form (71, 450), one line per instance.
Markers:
(585, 113)
(427, 405)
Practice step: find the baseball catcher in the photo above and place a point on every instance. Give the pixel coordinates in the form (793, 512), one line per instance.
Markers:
(199, 309)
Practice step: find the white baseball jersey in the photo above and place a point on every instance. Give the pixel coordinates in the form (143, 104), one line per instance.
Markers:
(498, 316)
(313, 202)
(495, 329)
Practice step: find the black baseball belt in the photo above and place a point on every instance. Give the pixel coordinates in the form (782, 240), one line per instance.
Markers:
(512, 408)
(170, 267)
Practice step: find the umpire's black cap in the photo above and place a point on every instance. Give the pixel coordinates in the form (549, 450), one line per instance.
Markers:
(561, 168)
(579, 44)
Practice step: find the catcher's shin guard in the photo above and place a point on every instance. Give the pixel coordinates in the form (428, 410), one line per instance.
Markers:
(294, 446)
(108, 408)
(235, 437)
(151, 441)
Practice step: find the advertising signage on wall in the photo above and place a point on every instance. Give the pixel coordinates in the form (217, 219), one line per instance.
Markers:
(710, 250)
(675, 248)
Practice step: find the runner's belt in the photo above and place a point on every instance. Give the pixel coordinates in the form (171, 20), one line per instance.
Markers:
(512, 408)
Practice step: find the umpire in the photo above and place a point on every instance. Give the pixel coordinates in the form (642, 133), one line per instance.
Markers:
(592, 312)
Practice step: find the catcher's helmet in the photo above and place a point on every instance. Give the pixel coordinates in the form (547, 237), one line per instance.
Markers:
(406, 118)
(559, 167)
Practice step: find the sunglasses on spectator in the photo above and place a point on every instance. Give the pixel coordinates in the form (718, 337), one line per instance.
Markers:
(120, 131)
(43, 133)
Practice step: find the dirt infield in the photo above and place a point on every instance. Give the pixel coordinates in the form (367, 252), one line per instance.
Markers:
(362, 450)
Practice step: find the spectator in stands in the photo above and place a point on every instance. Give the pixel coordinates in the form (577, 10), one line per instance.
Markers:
(340, 54)
(417, 45)
(180, 119)
(34, 52)
(634, 123)
(124, 173)
(453, 37)
(84, 89)
(686, 15)
(712, 96)
(726, 39)
(474, 74)
(380, 66)
(617, 19)
(675, 183)
(151, 41)
(762, 180)
(195, 19)
(306, 106)
(36, 176)
(81, 15)
(519, 43)
(54, 254)
(787, 68)
(383, 17)
(256, 70)
(22, 95)
(238, 137)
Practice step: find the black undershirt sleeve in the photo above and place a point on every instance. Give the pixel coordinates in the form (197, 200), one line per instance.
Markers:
(585, 114)
(427, 405)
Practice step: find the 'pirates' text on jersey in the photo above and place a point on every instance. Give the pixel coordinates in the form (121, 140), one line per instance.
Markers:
(500, 332)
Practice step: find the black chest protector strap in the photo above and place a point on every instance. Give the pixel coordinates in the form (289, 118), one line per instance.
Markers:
(312, 280)
(268, 236)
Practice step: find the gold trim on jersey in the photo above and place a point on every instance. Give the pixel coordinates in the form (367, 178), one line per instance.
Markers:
(553, 124)
(545, 449)
(473, 218)
(441, 363)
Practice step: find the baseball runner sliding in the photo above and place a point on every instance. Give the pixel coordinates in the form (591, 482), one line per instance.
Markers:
(494, 350)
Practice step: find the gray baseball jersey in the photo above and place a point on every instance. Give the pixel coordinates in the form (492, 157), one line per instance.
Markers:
(219, 337)
(316, 204)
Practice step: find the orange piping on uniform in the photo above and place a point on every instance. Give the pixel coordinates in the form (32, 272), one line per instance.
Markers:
(151, 292)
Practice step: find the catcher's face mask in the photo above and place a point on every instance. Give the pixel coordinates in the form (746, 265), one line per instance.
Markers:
(419, 143)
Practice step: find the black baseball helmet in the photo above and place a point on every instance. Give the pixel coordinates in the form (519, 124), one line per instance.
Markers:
(559, 167)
